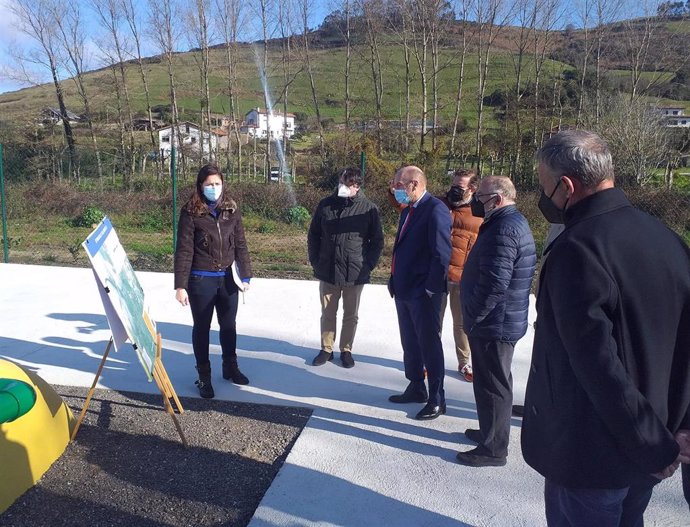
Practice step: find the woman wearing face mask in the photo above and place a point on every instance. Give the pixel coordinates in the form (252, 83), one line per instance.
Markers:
(210, 239)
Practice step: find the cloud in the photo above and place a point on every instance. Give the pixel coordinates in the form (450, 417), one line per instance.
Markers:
(10, 26)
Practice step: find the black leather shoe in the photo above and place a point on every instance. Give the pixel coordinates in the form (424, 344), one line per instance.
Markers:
(431, 411)
(414, 393)
(518, 410)
(322, 358)
(474, 435)
(346, 359)
(480, 457)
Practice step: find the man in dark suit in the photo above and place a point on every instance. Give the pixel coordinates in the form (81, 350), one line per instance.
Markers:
(609, 384)
(419, 273)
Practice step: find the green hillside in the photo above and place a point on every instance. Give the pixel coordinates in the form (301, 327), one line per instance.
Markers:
(328, 66)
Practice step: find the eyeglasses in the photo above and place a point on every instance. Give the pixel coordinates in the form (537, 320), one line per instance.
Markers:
(477, 195)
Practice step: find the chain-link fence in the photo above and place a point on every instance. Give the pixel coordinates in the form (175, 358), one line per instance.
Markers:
(49, 209)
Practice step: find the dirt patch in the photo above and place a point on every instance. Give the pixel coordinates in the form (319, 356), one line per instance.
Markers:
(127, 466)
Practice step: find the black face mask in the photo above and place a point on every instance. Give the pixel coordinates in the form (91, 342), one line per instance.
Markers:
(455, 194)
(477, 208)
(549, 209)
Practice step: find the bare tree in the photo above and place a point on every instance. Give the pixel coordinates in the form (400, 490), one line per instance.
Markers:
(638, 139)
(606, 12)
(305, 12)
(642, 53)
(490, 16)
(399, 22)
(465, 37)
(548, 17)
(290, 70)
(439, 16)
(416, 17)
(526, 18)
(373, 13)
(230, 18)
(36, 21)
(71, 31)
(585, 14)
(198, 30)
(132, 19)
(348, 60)
(264, 16)
(110, 15)
(163, 14)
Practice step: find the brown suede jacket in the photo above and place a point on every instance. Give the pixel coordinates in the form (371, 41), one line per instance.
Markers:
(205, 243)
(462, 235)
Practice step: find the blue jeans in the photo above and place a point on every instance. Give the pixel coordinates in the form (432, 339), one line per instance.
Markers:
(207, 293)
(598, 507)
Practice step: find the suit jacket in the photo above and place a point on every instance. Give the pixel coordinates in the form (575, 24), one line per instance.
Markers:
(422, 253)
(610, 376)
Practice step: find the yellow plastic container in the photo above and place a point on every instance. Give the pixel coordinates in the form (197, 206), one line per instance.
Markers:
(31, 443)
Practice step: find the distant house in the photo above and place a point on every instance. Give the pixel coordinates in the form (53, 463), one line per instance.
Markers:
(142, 124)
(674, 116)
(51, 115)
(256, 124)
(186, 135)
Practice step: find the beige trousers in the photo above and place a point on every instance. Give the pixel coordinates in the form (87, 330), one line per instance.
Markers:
(330, 297)
(462, 345)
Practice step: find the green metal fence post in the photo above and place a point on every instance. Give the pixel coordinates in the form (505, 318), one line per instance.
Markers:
(173, 174)
(362, 163)
(5, 241)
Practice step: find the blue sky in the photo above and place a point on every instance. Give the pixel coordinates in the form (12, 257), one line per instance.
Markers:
(12, 38)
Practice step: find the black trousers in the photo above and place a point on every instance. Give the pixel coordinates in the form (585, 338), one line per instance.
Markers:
(207, 293)
(493, 391)
(420, 335)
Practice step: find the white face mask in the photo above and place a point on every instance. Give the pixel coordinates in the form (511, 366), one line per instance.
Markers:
(344, 191)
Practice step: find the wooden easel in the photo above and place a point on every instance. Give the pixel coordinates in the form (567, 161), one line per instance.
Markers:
(162, 381)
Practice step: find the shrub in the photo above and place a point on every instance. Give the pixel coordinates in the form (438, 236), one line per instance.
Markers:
(298, 215)
(267, 228)
(89, 216)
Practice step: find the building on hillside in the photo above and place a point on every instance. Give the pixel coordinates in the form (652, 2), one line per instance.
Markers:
(142, 124)
(51, 115)
(186, 136)
(258, 121)
(674, 116)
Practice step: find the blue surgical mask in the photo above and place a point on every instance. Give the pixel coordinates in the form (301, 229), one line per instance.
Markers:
(213, 192)
(401, 196)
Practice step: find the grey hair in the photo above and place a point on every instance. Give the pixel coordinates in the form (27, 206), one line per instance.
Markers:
(500, 185)
(579, 154)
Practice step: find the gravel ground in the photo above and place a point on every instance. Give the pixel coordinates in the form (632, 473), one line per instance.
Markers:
(128, 466)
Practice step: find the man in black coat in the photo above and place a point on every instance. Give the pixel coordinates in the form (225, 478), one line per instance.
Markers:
(609, 384)
(345, 241)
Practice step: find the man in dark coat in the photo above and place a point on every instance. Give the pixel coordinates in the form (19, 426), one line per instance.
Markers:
(609, 384)
(345, 241)
(418, 279)
(494, 293)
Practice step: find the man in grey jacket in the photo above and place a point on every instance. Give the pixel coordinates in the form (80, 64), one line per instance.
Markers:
(345, 241)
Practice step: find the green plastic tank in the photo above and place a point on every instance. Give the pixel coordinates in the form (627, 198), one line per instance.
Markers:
(16, 399)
